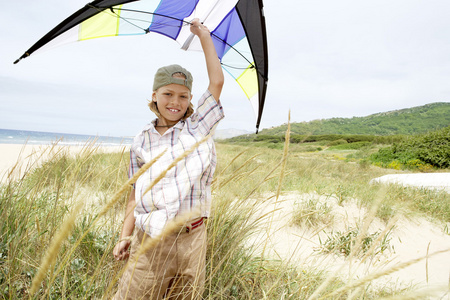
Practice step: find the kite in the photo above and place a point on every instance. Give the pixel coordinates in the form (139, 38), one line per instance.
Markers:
(237, 27)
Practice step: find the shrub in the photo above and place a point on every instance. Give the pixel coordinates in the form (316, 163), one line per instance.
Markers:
(297, 138)
(311, 213)
(268, 138)
(434, 148)
(337, 142)
(389, 139)
(418, 152)
(343, 242)
(359, 138)
(395, 165)
(417, 164)
(312, 149)
(351, 146)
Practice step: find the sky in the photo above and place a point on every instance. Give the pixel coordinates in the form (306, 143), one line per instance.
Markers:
(327, 58)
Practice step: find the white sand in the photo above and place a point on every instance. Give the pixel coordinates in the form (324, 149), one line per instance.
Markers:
(410, 240)
(437, 181)
(16, 160)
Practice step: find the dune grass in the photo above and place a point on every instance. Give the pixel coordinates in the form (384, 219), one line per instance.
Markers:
(47, 236)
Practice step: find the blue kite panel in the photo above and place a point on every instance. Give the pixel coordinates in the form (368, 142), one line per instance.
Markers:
(230, 30)
(177, 10)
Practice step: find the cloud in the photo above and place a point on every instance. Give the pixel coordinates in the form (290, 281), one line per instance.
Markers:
(326, 59)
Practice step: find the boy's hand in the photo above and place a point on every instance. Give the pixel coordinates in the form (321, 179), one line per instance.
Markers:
(121, 250)
(199, 29)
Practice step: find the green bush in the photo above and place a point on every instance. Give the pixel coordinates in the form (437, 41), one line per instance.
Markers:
(337, 142)
(343, 242)
(434, 148)
(350, 138)
(359, 138)
(268, 138)
(388, 139)
(323, 139)
(297, 138)
(350, 146)
(418, 152)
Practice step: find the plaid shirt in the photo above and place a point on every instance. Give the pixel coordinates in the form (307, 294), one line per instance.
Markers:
(188, 184)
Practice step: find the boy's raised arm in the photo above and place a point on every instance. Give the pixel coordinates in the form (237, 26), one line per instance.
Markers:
(215, 73)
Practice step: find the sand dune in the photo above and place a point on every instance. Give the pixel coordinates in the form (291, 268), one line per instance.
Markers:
(437, 181)
(409, 240)
(16, 159)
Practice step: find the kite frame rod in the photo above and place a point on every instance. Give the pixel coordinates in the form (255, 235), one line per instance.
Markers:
(253, 66)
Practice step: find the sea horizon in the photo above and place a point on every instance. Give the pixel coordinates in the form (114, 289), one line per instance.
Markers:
(21, 137)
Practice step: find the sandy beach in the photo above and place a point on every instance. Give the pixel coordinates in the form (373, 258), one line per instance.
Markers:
(410, 240)
(16, 159)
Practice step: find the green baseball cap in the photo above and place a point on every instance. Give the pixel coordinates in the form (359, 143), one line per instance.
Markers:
(164, 76)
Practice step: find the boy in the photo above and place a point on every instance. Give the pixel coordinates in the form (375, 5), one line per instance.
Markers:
(175, 268)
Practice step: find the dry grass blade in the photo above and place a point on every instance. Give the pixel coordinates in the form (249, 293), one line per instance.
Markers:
(232, 161)
(377, 275)
(32, 159)
(420, 295)
(377, 241)
(234, 177)
(426, 263)
(51, 254)
(163, 173)
(258, 185)
(176, 160)
(126, 186)
(173, 226)
(285, 156)
(368, 221)
(280, 181)
(129, 183)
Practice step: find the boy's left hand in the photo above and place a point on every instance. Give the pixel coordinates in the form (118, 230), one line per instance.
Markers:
(199, 29)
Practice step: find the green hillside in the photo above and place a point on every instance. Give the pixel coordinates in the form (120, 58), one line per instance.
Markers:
(407, 121)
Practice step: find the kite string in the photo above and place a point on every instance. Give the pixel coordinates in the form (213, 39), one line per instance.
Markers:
(185, 23)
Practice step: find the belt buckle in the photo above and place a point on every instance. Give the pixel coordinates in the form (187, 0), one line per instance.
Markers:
(194, 225)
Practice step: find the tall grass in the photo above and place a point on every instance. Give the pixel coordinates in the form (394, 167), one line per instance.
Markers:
(248, 180)
(32, 211)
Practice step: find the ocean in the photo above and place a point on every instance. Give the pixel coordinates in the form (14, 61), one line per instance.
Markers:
(9, 136)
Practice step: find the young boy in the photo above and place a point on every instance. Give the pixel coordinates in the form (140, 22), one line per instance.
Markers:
(175, 268)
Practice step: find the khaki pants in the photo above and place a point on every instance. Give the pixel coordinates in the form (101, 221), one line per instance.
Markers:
(174, 269)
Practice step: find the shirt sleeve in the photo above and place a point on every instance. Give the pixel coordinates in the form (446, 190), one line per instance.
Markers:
(133, 168)
(208, 115)
(135, 159)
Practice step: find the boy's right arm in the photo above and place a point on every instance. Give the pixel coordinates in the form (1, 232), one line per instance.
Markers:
(121, 249)
(213, 66)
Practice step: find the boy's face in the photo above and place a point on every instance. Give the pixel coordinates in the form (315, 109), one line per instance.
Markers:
(173, 101)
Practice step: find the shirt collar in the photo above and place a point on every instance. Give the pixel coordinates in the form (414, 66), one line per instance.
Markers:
(151, 126)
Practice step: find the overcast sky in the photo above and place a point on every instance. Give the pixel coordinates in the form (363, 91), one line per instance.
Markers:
(327, 59)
